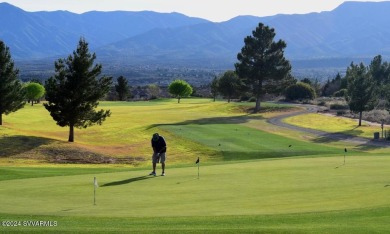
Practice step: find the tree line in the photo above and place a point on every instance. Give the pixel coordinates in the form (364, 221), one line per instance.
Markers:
(72, 95)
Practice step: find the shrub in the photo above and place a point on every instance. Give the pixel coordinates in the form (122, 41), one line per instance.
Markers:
(322, 103)
(340, 93)
(338, 106)
(252, 99)
(340, 112)
(300, 91)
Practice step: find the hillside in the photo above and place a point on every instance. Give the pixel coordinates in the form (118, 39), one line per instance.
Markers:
(46, 34)
(318, 44)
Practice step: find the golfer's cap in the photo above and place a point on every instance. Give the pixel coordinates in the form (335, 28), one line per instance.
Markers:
(155, 137)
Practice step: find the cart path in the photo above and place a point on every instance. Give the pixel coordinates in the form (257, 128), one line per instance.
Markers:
(321, 135)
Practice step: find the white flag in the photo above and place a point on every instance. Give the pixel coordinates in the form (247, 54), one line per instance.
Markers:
(95, 182)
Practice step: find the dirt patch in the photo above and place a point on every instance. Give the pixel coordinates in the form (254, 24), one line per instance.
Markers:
(66, 154)
(79, 156)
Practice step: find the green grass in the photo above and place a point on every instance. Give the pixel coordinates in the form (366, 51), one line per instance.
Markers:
(351, 221)
(237, 142)
(250, 179)
(13, 173)
(271, 195)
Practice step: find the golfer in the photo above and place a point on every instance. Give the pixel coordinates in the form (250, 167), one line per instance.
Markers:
(159, 149)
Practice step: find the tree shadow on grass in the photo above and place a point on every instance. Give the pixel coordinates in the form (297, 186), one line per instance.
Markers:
(339, 136)
(14, 145)
(214, 120)
(127, 181)
(277, 153)
(352, 136)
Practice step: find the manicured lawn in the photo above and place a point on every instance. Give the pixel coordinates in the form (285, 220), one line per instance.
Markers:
(238, 142)
(254, 177)
(295, 194)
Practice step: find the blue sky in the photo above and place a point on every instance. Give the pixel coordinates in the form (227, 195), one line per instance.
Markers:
(214, 10)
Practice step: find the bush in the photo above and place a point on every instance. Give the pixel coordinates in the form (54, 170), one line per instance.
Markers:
(377, 116)
(252, 99)
(340, 93)
(322, 103)
(244, 98)
(340, 112)
(338, 106)
(300, 91)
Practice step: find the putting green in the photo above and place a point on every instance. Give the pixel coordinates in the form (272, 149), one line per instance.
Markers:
(296, 185)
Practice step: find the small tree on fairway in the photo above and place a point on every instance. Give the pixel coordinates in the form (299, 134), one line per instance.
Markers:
(12, 96)
(361, 90)
(73, 92)
(122, 88)
(179, 89)
(34, 91)
(261, 60)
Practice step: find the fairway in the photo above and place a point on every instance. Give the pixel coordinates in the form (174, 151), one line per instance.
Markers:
(254, 177)
(237, 142)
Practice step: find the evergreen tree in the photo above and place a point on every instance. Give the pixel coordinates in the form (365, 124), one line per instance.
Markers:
(334, 85)
(229, 85)
(122, 88)
(361, 90)
(12, 96)
(380, 72)
(261, 60)
(214, 87)
(73, 92)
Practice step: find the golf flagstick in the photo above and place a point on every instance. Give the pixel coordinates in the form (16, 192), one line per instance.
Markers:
(198, 162)
(345, 152)
(95, 185)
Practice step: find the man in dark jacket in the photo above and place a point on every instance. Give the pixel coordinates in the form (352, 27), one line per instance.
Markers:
(159, 153)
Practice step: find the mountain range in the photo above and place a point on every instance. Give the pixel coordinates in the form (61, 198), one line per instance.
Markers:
(352, 31)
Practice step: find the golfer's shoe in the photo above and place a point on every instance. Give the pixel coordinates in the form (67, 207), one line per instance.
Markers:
(153, 173)
(163, 174)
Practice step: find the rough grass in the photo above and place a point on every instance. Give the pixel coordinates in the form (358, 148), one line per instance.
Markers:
(334, 124)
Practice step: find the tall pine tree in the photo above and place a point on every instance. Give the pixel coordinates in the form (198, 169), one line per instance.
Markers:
(12, 96)
(361, 90)
(261, 61)
(122, 88)
(73, 92)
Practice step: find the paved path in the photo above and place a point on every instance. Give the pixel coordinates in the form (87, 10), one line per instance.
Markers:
(321, 135)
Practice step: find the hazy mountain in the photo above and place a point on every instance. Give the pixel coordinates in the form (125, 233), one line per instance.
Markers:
(46, 34)
(354, 30)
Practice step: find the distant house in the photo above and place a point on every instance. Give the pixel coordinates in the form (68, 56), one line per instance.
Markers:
(140, 93)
